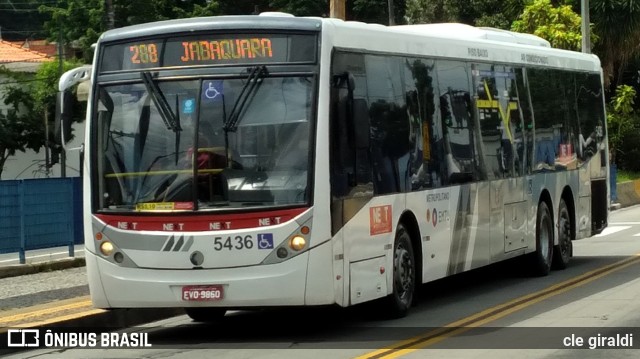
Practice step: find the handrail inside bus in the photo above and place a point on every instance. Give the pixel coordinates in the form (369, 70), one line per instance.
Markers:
(162, 172)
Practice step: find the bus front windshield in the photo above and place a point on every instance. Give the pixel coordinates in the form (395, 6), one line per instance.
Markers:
(203, 143)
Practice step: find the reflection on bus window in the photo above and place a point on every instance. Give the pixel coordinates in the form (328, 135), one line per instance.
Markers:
(144, 161)
(457, 121)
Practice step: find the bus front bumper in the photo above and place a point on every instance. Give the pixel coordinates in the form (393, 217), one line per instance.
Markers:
(113, 286)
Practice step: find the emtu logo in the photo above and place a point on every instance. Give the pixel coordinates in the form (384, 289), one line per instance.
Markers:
(432, 216)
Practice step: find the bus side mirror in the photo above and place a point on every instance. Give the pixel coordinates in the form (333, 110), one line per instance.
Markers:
(64, 115)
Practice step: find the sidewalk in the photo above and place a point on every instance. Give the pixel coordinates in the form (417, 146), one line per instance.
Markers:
(41, 260)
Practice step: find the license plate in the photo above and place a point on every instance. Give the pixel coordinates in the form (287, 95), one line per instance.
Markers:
(202, 293)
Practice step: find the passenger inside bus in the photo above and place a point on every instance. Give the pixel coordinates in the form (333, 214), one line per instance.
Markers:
(547, 142)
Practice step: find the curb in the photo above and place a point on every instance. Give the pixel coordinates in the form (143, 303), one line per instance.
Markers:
(32, 268)
(628, 193)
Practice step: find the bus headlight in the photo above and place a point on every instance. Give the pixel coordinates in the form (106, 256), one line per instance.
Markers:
(106, 248)
(292, 245)
(297, 243)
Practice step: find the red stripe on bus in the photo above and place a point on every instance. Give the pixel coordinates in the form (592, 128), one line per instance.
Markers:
(202, 222)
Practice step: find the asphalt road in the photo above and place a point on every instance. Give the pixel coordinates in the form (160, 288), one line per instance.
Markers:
(493, 312)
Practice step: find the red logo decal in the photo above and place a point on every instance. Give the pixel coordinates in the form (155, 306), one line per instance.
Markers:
(380, 220)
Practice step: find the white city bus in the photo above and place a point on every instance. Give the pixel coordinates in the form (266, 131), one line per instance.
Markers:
(272, 160)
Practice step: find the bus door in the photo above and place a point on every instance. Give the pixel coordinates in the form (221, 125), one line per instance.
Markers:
(503, 151)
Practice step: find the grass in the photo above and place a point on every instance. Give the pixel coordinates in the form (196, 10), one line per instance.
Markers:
(624, 176)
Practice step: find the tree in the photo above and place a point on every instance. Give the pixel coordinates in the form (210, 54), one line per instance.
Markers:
(621, 120)
(618, 25)
(143, 11)
(561, 26)
(79, 21)
(247, 7)
(375, 11)
(23, 126)
(82, 21)
(21, 20)
(301, 7)
(471, 12)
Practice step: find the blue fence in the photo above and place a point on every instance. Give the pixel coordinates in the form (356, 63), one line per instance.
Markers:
(40, 213)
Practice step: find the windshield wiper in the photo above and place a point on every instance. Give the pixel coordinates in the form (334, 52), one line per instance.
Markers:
(253, 80)
(168, 117)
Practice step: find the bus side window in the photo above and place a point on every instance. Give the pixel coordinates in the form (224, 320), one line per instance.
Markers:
(362, 141)
(459, 139)
(524, 104)
(590, 116)
(426, 163)
(389, 125)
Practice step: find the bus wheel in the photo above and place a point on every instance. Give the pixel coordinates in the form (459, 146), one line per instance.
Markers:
(562, 252)
(404, 274)
(205, 314)
(544, 241)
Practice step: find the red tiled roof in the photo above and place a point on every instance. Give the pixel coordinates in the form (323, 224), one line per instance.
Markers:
(10, 53)
(49, 50)
(42, 46)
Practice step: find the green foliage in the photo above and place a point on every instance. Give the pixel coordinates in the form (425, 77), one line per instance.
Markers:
(82, 21)
(302, 7)
(472, 12)
(377, 11)
(21, 20)
(624, 176)
(427, 12)
(33, 103)
(79, 21)
(621, 120)
(143, 11)
(247, 7)
(561, 26)
(618, 24)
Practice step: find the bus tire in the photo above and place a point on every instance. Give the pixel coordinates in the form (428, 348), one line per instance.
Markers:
(205, 314)
(404, 274)
(562, 251)
(543, 255)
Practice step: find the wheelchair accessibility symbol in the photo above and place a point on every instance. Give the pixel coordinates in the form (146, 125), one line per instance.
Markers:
(265, 240)
(212, 90)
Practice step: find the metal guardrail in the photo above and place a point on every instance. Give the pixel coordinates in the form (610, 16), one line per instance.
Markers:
(40, 213)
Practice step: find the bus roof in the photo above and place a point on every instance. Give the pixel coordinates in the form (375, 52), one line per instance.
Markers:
(457, 41)
(231, 22)
(449, 40)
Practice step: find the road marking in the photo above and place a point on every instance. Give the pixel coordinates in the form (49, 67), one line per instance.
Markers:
(59, 319)
(611, 230)
(637, 235)
(623, 223)
(492, 314)
(46, 311)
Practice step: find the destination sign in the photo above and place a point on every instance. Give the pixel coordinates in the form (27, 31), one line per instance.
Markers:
(209, 49)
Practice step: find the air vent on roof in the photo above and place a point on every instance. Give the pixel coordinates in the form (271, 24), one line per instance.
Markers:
(463, 31)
